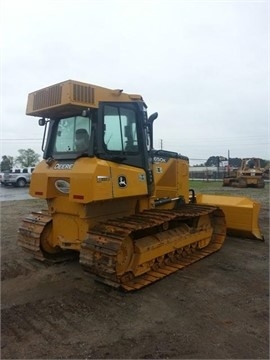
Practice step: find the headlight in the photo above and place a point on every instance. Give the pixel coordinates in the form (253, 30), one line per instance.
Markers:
(63, 186)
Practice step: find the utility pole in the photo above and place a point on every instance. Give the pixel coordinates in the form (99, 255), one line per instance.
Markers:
(218, 163)
(228, 161)
(161, 144)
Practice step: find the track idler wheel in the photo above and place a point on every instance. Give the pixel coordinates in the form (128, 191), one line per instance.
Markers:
(124, 256)
(45, 245)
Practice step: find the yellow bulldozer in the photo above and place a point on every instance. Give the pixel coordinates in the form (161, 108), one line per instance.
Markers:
(124, 207)
(250, 174)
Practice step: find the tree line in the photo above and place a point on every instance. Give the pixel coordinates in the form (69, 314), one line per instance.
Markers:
(233, 162)
(26, 158)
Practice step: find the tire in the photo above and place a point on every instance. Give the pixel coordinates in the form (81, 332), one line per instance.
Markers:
(21, 182)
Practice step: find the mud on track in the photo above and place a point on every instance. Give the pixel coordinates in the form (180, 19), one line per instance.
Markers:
(216, 308)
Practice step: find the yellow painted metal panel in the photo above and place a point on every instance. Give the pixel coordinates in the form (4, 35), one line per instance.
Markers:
(70, 94)
(127, 181)
(241, 214)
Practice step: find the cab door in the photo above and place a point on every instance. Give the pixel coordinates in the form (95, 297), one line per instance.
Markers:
(123, 144)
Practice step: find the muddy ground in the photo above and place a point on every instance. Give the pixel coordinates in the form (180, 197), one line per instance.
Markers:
(215, 309)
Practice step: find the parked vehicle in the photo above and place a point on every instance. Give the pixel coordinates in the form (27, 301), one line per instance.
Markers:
(17, 177)
(250, 174)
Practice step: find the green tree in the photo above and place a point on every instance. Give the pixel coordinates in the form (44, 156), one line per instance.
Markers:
(27, 158)
(6, 163)
(235, 162)
(264, 163)
(214, 160)
(11, 160)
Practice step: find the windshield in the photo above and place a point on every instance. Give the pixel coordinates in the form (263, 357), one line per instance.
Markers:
(72, 135)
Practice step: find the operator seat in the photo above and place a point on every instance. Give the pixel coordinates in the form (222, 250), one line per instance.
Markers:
(81, 140)
(131, 147)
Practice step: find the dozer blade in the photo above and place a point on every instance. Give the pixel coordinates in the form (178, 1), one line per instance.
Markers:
(241, 214)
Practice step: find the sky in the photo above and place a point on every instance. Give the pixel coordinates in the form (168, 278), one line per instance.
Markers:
(202, 65)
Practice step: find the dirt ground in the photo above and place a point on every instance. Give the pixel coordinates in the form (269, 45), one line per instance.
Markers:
(217, 308)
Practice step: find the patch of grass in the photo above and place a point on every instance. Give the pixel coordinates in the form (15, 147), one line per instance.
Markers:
(216, 188)
(203, 185)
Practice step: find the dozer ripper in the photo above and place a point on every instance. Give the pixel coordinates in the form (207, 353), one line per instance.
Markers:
(123, 206)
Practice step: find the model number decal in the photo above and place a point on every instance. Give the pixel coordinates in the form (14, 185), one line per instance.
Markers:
(159, 160)
(63, 166)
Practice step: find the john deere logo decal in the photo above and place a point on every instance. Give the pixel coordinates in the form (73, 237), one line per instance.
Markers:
(122, 181)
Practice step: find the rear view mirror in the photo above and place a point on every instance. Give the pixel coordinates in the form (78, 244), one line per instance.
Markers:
(86, 113)
(41, 122)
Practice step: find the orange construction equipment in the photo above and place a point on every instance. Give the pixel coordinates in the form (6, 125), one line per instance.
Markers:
(250, 174)
(111, 197)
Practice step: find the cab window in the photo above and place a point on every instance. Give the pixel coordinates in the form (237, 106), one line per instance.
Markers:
(73, 134)
(120, 129)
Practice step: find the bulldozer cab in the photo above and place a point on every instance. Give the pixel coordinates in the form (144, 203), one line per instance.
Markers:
(84, 120)
(90, 120)
(111, 132)
(248, 164)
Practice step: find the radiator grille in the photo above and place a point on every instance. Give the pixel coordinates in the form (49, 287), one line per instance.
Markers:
(83, 94)
(47, 97)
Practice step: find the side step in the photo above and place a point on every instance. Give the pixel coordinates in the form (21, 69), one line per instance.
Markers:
(241, 214)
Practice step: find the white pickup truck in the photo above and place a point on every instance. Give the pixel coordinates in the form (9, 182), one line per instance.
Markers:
(17, 177)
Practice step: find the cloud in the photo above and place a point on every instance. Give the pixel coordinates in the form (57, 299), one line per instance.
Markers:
(202, 65)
